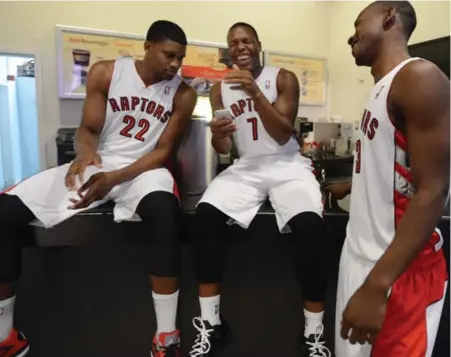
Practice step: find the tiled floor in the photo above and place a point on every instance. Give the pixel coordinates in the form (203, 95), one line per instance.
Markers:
(93, 301)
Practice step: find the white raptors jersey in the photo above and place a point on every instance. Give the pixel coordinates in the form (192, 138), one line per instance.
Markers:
(382, 183)
(136, 115)
(251, 138)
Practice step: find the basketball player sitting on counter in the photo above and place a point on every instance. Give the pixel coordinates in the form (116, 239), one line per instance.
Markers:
(134, 114)
(256, 107)
(393, 277)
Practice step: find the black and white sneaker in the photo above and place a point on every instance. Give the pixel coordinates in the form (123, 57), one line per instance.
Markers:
(314, 345)
(209, 338)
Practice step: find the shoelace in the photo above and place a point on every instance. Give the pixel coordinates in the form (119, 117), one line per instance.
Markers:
(317, 347)
(202, 343)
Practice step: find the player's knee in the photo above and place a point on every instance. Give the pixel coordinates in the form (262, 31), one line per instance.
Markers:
(210, 221)
(206, 211)
(161, 215)
(209, 243)
(159, 205)
(13, 212)
(312, 254)
(307, 226)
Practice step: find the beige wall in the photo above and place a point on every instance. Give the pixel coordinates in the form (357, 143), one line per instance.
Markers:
(349, 84)
(310, 28)
(288, 26)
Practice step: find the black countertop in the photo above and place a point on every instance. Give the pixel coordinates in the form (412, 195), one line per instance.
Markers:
(189, 204)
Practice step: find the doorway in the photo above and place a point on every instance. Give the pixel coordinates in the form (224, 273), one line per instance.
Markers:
(19, 131)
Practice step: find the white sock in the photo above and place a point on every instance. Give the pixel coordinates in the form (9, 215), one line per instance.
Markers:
(209, 309)
(312, 321)
(6, 317)
(166, 311)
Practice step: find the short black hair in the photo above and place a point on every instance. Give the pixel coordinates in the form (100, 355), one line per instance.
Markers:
(166, 30)
(406, 13)
(245, 24)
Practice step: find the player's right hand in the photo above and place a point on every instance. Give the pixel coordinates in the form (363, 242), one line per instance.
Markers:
(339, 190)
(222, 127)
(78, 167)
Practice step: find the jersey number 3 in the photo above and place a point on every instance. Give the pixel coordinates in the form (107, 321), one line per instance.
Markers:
(130, 124)
(358, 156)
(253, 122)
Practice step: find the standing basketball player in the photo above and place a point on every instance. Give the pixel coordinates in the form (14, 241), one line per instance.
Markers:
(134, 114)
(263, 104)
(393, 274)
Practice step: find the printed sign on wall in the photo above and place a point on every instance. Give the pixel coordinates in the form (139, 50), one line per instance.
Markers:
(78, 49)
(310, 71)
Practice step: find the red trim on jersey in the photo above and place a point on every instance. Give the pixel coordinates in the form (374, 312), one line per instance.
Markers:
(404, 172)
(6, 190)
(405, 330)
(400, 140)
(400, 201)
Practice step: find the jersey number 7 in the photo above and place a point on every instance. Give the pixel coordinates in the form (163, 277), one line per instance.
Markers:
(254, 124)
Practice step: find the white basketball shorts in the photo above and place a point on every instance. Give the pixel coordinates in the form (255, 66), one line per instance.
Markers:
(46, 195)
(287, 180)
(414, 306)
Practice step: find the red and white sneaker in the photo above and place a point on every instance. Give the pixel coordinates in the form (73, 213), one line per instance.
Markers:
(16, 345)
(165, 345)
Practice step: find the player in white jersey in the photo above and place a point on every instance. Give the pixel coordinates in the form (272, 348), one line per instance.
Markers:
(393, 276)
(134, 114)
(261, 105)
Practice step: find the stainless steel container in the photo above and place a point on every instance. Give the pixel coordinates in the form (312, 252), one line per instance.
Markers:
(197, 161)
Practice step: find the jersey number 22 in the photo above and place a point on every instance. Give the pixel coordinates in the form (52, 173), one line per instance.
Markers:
(130, 124)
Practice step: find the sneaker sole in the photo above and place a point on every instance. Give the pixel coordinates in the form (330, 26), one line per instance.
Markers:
(24, 352)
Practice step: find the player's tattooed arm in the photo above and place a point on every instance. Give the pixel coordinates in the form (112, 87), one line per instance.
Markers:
(184, 102)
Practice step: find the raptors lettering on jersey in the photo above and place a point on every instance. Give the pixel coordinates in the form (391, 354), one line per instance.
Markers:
(368, 126)
(145, 106)
(240, 106)
(136, 115)
(381, 175)
(244, 106)
(251, 137)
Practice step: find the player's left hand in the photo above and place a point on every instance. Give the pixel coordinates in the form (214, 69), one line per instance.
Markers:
(95, 189)
(364, 314)
(243, 80)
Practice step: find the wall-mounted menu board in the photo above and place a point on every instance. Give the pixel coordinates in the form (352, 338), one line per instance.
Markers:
(79, 48)
(310, 71)
(205, 63)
